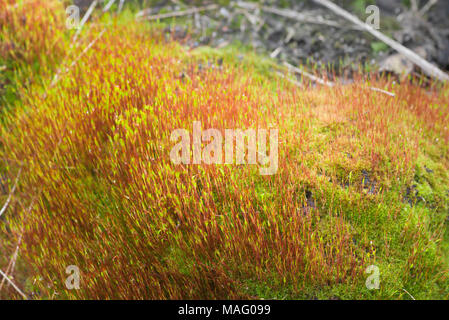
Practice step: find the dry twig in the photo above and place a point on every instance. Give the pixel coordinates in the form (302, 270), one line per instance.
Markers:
(56, 77)
(83, 21)
(8, 200)
(426, 66)
(308, 75)
(177, 13)
(328, 83)
(13, 285)
(108, 5)
(296, 83)
(427, 7)
(301, 17)
(12, 262)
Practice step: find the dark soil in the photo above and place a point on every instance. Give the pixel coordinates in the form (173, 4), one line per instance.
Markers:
(286, 39)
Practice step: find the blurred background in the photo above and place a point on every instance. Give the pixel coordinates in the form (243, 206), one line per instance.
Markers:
(316, 36)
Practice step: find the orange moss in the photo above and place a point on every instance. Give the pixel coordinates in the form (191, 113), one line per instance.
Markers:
(94, 151)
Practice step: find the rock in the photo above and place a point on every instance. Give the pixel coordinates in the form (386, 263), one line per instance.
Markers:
(399, 64)
(396, 64)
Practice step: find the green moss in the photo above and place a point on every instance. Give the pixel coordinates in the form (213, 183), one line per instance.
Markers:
(343, 198)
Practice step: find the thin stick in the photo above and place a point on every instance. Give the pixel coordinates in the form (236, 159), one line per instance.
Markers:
(13, 285)
(383, 91)
(108, 5)
(8, 200)
(291, 14)
(120, 6)
(296, 83)
(88, 47)
(143, 12)
(300, 17)
(427, 7)
(56, 77)
(276, 52)
(182, 13)
(328, 83)
(308, 75)
(409, 294)
(12, 262)
(86, 16)
(252, 19)
(83, 21)
(426, 66)
(414, 5)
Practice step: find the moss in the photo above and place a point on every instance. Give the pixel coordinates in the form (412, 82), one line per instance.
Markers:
(362, 179)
